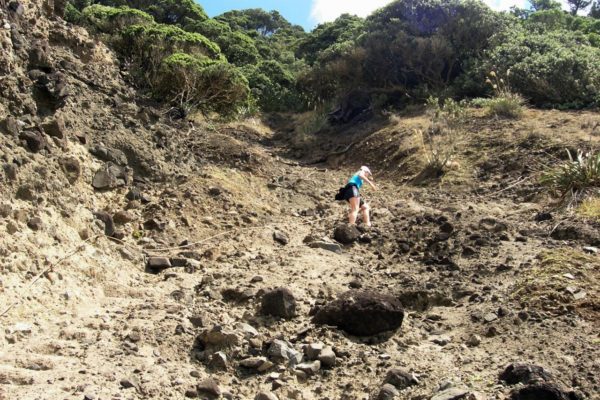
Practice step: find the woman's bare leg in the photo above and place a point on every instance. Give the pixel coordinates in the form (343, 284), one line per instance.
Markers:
(365, 214)
(354, 207)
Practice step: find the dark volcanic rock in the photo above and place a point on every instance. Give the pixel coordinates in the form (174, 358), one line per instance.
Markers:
(279, 302)
(524, 373)
(35, 140)
(55, 127)
(281, 238)
(400, 379)
(346, 234)
(362, 313)
(109, 177)
(71, 168)
(543, 391)
(109, 225)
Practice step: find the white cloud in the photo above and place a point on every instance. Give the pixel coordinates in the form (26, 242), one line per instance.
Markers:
(328, 10)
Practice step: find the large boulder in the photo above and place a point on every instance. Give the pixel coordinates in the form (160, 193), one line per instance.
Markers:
(543, 391)
(362, 313)
(524, 373)
(279, 302)
(346, 233)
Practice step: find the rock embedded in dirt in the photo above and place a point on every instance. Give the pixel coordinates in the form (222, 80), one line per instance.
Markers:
(346, 233)
(109, 155)
(281, 238)
(400, 379)
(122, 217)
(10, 125)
(313, 350)
(157, 264)
(327, 357)
(218, 361)
(11, 171)
(34, 140)
(279, 302)
(109, 176)
(451, 394)
(309, 368)
(387, 392)
(524, 373)
(329, 246)
(217, 337)
(266, 396)
(209, 387)
(35, 224)
(362, 313)
(106, 218)
(283, 352)
(55, 127)
(543, 391)
(71, 168)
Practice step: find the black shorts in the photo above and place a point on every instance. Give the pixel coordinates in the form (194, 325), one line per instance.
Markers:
(351, 191)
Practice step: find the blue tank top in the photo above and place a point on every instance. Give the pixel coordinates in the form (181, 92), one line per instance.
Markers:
(355, 180)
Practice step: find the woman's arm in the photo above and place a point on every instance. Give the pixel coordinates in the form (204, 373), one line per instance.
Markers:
(363, 176)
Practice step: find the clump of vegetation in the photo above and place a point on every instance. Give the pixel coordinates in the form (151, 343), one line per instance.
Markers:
(505, 103)
(105, 19)
(550, 283)
(200, 83)
(590, 208)
(440, 139)
(574, 177)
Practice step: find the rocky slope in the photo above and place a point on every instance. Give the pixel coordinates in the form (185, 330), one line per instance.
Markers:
(148, 258)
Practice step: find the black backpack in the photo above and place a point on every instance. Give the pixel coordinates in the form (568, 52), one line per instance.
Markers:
(340, 194)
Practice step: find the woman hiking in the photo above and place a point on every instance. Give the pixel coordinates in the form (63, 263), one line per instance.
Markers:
(352, 195)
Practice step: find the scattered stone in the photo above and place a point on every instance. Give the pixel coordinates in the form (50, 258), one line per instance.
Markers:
(26, 192)
(191, 393)
(400, 379)
(109, 176)
(451, 394)
(11, 171)
(109, 225)
(35, 224)
(265, 396)
(355, 284)
(329, 246)
(313, 350)
(543, 216)
(283, 352)
(128, 383)
(387, 392)
(474, 340)
(280, 238)
(209, 387)
(524, 373)
(217, 337)
(327, 357)
(157, 264)
(218, 361)
(590, 249)
(346, 233)
(122, 217)
(55, 127)
(109, 155)
(447, 227)
(279, 302)
(490, 317)
(35, 140)
(71, 168)
(309, 368)
(362, 313)
(10, 125)
(260, 364)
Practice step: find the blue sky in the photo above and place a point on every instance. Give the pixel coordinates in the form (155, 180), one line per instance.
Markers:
(309, 13)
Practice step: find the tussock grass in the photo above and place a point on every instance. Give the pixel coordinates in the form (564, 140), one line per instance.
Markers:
(590, 208)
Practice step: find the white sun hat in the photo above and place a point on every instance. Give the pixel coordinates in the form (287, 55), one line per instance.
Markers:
(366, 169)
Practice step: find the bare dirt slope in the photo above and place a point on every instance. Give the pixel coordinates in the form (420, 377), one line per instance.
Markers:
(136, 252)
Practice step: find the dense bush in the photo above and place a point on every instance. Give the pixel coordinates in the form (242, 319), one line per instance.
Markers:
(198, 82)
(557, 68)
(179, 12)
(110, 19)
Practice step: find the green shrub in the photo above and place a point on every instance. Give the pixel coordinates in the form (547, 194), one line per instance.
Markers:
(178, 12)
(112, 20)
(200, 83)
(505, 103)
(549, 69)
(576, 175)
